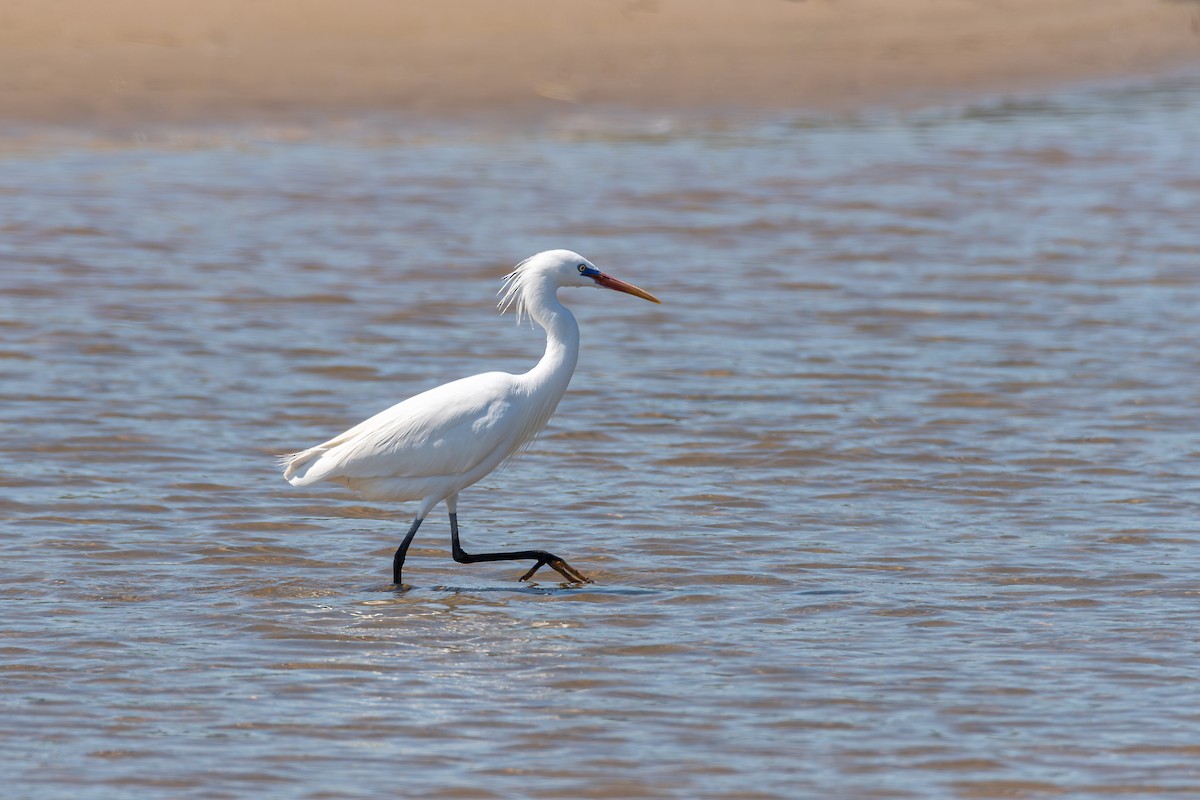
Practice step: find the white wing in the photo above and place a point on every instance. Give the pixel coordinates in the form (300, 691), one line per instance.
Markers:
(448, 430)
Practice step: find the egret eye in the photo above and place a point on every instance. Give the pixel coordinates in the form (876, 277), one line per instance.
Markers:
(583, 269)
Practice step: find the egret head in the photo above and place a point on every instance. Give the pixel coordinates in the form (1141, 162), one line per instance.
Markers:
(549, 270)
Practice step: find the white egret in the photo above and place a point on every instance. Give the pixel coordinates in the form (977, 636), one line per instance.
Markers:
(432, 446)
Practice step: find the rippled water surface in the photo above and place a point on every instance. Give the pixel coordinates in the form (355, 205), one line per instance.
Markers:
(894, 496)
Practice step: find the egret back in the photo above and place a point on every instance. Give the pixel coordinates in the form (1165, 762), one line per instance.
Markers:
(445, 435)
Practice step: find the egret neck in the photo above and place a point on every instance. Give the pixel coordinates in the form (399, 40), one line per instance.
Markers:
(547, 382)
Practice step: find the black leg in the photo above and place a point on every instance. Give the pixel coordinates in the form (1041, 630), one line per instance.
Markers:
(402, 551)
(540, 556)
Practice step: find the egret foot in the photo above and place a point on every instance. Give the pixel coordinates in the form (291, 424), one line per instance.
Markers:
(566, 570)
(540, 556)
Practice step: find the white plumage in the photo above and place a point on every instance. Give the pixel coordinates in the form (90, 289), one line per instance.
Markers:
(433, 445)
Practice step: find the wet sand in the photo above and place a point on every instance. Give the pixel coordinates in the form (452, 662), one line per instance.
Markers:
(180, 62)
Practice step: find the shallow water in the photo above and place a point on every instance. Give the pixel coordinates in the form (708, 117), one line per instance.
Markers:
(895, 495)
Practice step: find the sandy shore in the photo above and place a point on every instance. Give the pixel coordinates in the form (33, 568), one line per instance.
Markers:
(135, 61)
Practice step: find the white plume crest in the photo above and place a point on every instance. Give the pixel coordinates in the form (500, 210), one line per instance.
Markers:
(512, 292)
